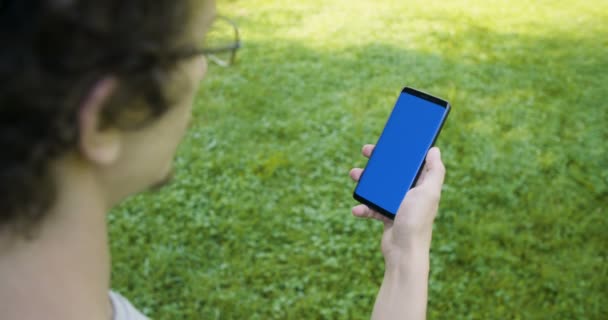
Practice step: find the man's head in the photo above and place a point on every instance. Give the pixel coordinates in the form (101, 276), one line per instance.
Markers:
(102, 87)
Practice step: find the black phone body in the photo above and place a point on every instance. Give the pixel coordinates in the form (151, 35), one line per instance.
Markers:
(398, 158)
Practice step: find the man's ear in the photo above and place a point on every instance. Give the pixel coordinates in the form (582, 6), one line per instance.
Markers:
(96, 144)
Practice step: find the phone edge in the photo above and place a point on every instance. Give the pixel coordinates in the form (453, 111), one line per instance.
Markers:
(372, 206)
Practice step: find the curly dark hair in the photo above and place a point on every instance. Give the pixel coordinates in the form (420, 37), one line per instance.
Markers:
(51, 53)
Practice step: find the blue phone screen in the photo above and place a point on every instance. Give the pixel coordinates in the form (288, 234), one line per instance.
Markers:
(400, 151)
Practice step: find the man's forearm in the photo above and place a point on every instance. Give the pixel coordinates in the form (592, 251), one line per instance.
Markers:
(403, 294)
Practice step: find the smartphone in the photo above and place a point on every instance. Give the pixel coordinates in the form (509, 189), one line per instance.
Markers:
(398, 158)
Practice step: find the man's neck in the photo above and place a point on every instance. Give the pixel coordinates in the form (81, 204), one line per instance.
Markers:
(64, 271)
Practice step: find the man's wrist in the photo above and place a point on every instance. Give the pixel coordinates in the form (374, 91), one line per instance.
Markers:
(413, 257)
(404, 290)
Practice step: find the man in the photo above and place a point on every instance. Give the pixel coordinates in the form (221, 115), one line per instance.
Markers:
(94, 99)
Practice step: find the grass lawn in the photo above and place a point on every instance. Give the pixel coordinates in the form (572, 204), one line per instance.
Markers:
(257, 224)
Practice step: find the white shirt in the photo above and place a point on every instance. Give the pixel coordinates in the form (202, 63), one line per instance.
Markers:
(123, 309)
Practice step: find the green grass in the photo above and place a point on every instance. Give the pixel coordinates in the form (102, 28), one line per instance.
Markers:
(258, 224)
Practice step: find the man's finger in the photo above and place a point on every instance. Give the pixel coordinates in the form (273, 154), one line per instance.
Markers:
(422, 175)
(367, 150)
(355, 174)
(363, 211)
(434, 170)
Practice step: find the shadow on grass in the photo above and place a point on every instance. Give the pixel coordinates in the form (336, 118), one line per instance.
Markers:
(262, 184)
(518, 100)
(522, 146)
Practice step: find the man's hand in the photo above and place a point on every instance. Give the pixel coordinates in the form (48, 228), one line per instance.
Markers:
(406, 243)
(413, 224)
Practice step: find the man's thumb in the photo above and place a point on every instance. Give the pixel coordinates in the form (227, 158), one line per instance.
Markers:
(435, 170)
